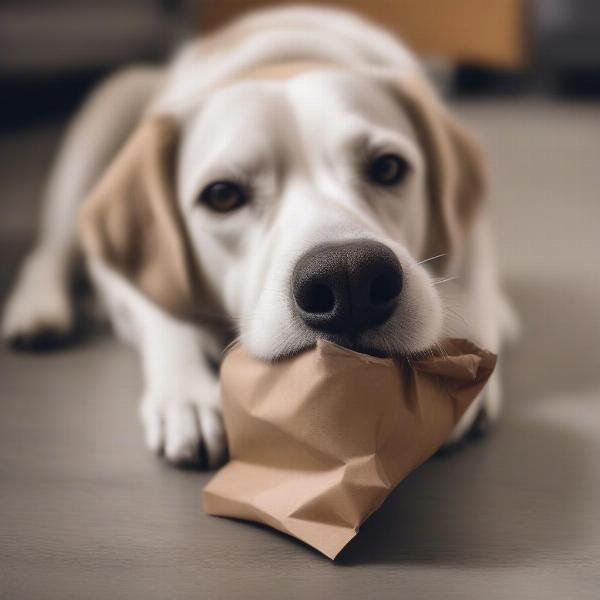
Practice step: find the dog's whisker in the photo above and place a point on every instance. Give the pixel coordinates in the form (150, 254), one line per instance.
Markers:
(444, 280)
(455, 324)
(441, 350)
(450, 312)
(426, 260)
(231, 344)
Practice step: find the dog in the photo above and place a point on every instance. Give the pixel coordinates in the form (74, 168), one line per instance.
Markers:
(292, 176)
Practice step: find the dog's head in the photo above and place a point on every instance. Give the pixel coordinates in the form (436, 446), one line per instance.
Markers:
(299, 206)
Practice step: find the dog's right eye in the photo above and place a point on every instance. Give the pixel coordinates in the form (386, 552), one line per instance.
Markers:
(223, 196)
(388, 170)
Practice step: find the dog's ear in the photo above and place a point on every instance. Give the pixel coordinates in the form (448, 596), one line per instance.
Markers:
(456, 168)
(131, 222)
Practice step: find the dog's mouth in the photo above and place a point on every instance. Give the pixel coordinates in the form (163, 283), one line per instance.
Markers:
(349, 342)
(356, 344)
(363, 342)
(355, 294)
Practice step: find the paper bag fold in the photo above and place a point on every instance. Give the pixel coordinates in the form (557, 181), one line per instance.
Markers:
(317, 442)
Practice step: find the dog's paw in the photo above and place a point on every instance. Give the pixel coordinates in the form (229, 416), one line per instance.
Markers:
(185, 426)
(479, 417)
(39, 313)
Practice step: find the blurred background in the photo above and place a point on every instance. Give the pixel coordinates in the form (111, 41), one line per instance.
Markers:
(89, 513)
(58, 48)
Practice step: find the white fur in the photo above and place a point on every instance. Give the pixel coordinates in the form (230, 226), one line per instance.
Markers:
(294, 139)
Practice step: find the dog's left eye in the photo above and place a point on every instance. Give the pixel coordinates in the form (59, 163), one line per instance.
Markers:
(388, 169)
(223, 196)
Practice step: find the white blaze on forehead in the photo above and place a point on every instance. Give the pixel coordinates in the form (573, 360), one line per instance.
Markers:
(328, 93)
(274, 35)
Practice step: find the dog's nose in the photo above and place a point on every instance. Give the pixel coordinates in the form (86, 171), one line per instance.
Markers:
(346, 288)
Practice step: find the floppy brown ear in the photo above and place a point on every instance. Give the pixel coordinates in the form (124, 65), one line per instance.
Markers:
(456, 169)
(131, 222)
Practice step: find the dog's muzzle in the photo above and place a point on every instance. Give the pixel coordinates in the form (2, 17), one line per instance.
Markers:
(346, 288)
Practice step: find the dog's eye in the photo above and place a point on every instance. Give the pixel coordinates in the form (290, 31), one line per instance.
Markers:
(223, 196)
(388, 169)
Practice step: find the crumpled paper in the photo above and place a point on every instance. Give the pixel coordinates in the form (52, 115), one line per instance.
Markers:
(317, 442)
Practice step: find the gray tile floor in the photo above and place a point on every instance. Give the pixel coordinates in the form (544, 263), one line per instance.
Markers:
(86, 512)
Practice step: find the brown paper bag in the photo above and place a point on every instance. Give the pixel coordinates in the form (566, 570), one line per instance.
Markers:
(317, 442)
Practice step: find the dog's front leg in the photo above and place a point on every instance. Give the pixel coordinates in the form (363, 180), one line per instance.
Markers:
(180, 406)
(40, 308)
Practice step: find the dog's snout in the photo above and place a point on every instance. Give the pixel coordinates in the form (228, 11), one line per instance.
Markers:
(346, 288)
